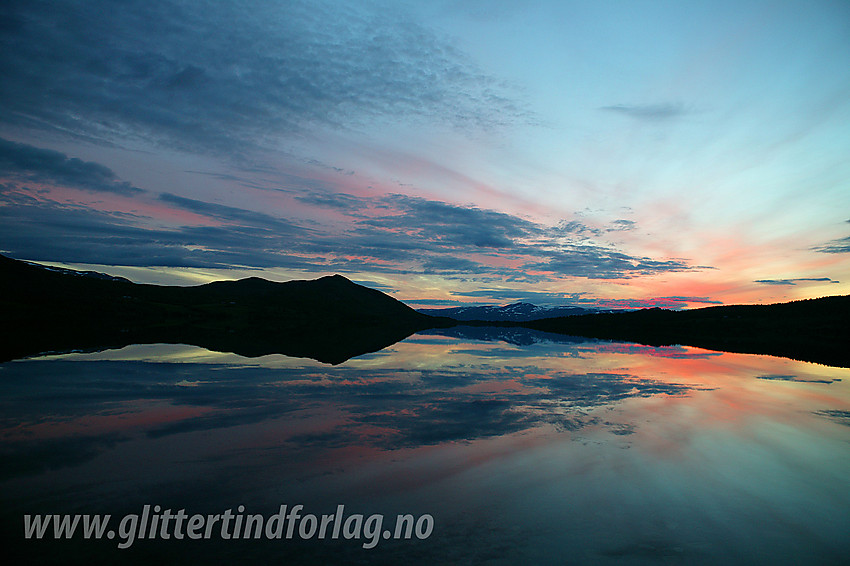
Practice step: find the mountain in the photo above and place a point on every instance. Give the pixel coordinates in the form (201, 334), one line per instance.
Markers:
(329, 319)
(520, 312)
(332, 319)
(77, 273)
(815, 330)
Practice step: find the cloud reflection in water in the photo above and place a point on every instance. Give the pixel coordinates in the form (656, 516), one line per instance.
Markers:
(590, 436)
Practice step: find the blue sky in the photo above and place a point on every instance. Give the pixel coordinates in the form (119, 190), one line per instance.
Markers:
(619, 153)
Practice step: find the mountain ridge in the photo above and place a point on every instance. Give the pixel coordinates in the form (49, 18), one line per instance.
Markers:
(519, 311)
(332, 319)
(329, 319)
(816, 330)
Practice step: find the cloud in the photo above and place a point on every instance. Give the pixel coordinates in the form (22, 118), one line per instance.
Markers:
(341, 201)
(224, 76)
(233, 215)
(839, 246)
(691, 300)
(440, 302)
(393, 234)
(506, 295)
(600, 262)
(24, 162)
(375, 285)
(573, 227)
(622, 225)
(675, 303)
(413, 226)
(450, 225)
(453, 264)
(648, 112)
(413, 223)
(836, 415)
(795, 281)
(382, 407)
(51, 231)
(503, 295)
(595, 389)
(794, 378)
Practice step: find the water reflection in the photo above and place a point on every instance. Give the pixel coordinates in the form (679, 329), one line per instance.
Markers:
(524, 447)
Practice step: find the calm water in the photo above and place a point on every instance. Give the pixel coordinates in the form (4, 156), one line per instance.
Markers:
(525, 450)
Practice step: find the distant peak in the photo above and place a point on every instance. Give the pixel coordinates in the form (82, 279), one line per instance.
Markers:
(336, 277)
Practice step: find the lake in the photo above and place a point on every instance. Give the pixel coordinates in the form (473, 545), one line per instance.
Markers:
(505, 446)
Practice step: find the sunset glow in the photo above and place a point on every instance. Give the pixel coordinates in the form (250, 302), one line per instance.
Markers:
(577, 153)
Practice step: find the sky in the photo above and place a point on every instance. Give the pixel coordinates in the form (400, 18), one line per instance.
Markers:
(618, 154)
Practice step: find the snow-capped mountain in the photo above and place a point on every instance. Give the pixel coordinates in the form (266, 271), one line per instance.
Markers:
(520, 312)
(77, 273)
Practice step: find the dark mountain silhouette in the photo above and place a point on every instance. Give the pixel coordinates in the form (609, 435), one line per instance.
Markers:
(515, 311)
(329, 319)
(333, 319)
(77, 273)
(815, 330)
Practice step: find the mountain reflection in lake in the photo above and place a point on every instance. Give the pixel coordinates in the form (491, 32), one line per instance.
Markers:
(527, 449)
